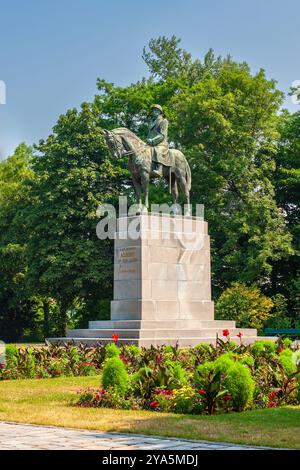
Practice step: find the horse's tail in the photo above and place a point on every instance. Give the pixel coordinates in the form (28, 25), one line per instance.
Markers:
(188, 175)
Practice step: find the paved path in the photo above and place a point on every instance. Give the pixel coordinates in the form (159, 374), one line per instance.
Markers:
(14, 436)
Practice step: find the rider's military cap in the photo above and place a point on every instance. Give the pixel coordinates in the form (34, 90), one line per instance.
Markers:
(157, 106)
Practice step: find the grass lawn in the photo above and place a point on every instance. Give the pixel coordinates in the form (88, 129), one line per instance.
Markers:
(49, 401)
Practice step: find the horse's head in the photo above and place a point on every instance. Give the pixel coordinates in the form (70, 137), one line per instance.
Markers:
(114, 143)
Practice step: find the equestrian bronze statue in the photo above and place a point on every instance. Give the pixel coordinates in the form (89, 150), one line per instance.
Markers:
(151, 160)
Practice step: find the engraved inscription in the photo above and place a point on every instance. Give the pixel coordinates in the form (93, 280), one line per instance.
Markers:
(127, 256)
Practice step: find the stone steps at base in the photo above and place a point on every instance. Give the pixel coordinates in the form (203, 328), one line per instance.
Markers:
(159, 324)
(182, 342)
(158, 333)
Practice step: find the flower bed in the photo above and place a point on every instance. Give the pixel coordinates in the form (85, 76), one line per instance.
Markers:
(203, 379)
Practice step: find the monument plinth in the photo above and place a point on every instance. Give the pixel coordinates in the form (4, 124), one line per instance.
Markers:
(162, 286)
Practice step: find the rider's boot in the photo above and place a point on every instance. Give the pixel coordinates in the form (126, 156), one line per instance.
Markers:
(158, 171)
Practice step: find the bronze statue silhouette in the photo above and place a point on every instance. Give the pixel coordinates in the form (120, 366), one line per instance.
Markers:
(122, 142)
(152, 160)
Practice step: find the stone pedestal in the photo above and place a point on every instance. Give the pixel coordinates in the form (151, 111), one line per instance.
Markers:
(162, 286)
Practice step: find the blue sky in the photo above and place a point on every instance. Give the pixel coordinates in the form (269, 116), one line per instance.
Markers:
(52, 51)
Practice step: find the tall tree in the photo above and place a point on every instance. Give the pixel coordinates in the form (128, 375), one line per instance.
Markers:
(73, 176)
(17, 305)
(286, 275)
(227, 125)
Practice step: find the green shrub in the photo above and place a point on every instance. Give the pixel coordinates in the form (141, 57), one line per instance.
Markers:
(240, 385)
(287, 342)
(264, 347)
(11, 356)
(202, 372)
(228, 359)
(287, 362)
(111, 350)
(115, 375)
(224, 362)
(247, 360)
(246, 305)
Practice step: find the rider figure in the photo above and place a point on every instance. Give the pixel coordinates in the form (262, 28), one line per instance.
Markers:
(158, 139)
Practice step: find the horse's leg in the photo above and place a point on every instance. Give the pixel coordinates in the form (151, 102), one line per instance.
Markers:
(145, 186)
(138, 191)
(174, 188)
(185, 189)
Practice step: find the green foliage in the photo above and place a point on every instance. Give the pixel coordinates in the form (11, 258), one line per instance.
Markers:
(279, 315)
(176, 375)
(133, 350)
(155, 381)
(287, 185)
(115, 375)
(286, 360)
(11, 356)
(183, 400)
(52, 361)
(202, 373)
(237, 381)
(287, 342)
(17, 304)
(240, 385)
(223, 363)
(212, 385)
(30, 364)
(263, 347)
(144, 382)
(247, 360)
(111, 350)
(186, 400)
(246, 305)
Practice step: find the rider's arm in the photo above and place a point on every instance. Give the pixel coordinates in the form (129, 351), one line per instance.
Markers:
(163, 134)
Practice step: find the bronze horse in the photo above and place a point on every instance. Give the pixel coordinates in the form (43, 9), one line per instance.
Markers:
(122, 142)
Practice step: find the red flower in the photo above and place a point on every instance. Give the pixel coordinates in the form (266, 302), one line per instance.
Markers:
(273, 395)
(271, 404)
(280, 350)
(99, 394)
(203, 392)
(154, 404)
(227, 397)
(115, 337)
(88, 364)
(226, 333)
(240, 334)
(163, 392)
